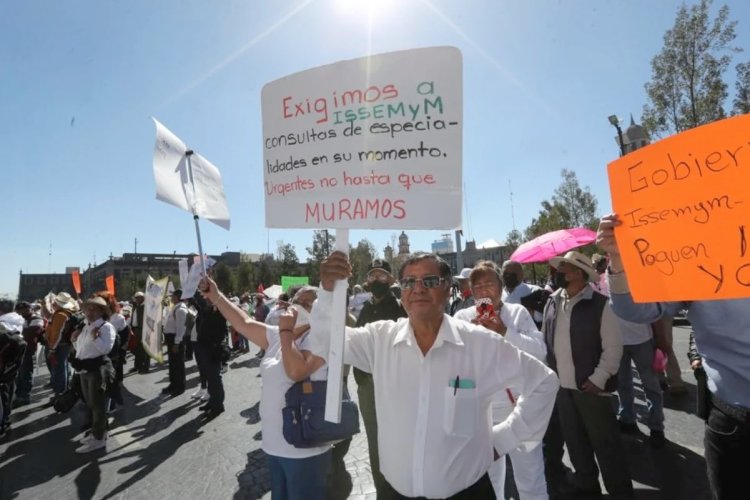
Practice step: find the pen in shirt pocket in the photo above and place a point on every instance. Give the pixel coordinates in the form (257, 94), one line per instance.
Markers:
(455, 385)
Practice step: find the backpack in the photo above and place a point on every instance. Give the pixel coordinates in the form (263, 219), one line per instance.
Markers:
(74, 322)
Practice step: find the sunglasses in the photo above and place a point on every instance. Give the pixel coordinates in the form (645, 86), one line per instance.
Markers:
(427, 282)
(382, 278)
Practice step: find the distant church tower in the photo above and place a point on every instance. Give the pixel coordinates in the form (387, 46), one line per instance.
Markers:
(388, 252)
(403, 244)
(635, 137)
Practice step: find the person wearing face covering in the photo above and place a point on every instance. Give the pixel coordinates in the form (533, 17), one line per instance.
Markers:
(295, 472)
(584, 348)
(383, 305)
(517, 291)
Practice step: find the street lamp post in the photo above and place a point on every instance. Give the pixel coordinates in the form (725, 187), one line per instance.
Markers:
(613, 120)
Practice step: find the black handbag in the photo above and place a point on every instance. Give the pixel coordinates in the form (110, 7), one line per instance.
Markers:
(65, 401)
(303, 416)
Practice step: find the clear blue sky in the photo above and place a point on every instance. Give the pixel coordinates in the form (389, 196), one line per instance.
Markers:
(80, 79)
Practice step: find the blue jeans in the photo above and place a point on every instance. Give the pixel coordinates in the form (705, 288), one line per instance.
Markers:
(299, 478)
(59, 369)
(642, 355)
(25, 377)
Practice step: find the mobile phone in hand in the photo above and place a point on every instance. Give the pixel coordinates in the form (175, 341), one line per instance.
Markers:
(485, 309)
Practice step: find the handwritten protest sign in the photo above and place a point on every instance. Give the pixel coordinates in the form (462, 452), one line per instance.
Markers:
(370, 143)
(198, 190)
(684, 206)
(152, 312)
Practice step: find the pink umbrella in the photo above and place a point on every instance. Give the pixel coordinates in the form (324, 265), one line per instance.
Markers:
(544, 247)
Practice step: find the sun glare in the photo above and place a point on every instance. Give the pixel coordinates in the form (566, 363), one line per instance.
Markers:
(371, 9)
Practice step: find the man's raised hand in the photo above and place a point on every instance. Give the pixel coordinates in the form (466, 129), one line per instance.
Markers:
(335, 267)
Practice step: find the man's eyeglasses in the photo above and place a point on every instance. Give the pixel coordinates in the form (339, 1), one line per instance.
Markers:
(427, 282)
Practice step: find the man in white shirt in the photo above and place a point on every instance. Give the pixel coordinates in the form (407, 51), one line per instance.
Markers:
(434, 379)
(513, 322)
(174, 334)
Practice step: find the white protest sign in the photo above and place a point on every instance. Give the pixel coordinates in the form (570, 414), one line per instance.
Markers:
(152, 312)
(370, 143)
(193, 276)
(182, 269)
(205, 196)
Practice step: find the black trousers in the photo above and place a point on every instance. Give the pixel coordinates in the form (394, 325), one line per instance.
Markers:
(176, 363)
(212, 370)
(590, 430)
(481, 489)
(727, 444)
(142, 361)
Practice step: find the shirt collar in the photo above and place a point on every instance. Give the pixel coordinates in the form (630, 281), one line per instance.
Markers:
(585, 294)
(97, 323)
(446, 333)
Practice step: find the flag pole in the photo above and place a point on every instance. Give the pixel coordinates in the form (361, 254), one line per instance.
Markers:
(188, 154)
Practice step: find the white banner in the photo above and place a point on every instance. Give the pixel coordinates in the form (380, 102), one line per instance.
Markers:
(205, 196)
(152, 312)
(370, 143)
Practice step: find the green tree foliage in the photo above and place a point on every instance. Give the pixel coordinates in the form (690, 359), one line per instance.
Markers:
(570, 206)
(360, 257)
(224, 278)
(742, 88)
(265, 274)
(687, 87)
(288, 263)
(513, 241)
(322, 245)
(245, 277)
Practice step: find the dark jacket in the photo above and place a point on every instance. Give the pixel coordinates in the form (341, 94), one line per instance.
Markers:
(388, 308)
(210, 324)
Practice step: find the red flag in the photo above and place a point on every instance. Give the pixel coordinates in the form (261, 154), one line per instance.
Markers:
(109, 281)
(76, 282)
(260, 288)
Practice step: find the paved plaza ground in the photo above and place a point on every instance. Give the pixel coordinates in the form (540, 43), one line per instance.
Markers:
(161, 448)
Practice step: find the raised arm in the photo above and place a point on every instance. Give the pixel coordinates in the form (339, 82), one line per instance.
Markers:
(298, 363)
(252, 330)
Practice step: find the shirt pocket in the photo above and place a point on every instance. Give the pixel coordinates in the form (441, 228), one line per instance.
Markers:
(461, 411)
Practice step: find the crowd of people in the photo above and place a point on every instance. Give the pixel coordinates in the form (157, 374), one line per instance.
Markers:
(453, 372)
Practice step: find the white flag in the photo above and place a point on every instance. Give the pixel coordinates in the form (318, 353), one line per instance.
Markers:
(205, 196)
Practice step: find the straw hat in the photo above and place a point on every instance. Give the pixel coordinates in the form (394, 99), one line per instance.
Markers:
(578, 260)
(63, 300)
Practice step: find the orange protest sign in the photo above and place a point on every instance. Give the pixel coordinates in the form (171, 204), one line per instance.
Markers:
(685, 213)
(109, 281)
(76, 281)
